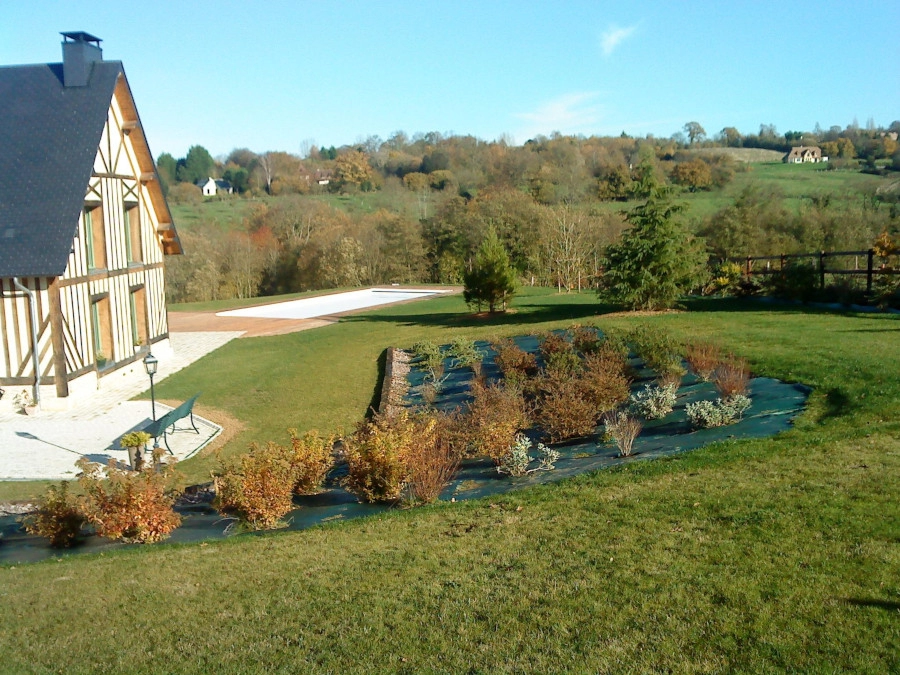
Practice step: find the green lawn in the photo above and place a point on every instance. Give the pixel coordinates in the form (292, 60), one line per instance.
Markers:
(754, 556)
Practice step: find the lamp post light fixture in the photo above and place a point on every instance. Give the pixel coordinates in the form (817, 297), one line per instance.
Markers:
(150, 365)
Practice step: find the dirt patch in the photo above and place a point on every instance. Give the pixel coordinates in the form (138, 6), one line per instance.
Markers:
(198, 322)
(231, 426)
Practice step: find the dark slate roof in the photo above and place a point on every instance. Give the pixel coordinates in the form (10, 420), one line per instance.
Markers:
(49, 135)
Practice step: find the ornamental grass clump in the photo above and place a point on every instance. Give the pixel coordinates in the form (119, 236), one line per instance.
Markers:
(623, 429)
(494, 416)
(434, 458)
(134, 506)
(378, 457)
(431, 358)
(718, 413)
(59, 517)
(703, 359)
(731, 377)
(311, 459)
(517, 459)
(654, 402)
(257, 487)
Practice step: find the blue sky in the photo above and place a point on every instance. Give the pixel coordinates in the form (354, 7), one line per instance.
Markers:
(278, 75)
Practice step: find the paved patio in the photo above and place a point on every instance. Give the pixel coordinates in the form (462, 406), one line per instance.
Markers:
(47, 445)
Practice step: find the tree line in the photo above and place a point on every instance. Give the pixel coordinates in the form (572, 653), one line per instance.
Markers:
(439, 196)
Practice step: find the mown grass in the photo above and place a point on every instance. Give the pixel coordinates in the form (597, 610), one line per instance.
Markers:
(754, 556)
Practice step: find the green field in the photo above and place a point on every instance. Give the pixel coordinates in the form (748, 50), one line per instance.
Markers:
(769, 555)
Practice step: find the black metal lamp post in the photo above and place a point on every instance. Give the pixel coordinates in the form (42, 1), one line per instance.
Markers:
(150, 365)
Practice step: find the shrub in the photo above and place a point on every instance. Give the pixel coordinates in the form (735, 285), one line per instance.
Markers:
(492, 280)
(495, 414)
(58, 518)
(559, 355)
(623, 429)
(514, 362)
(311, 459)
(434, 458)
(585, 339)
(603, 380)
(654, 402)
(467, 354)
(703, 359)
(707, 414)
(562, 409)
(799, 280)
(257, 487)
(659, 350)
(378, 457)
(517, 458)
(731, 377)
(134, 506)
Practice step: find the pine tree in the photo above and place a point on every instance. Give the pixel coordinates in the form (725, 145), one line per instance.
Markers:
(492, 280)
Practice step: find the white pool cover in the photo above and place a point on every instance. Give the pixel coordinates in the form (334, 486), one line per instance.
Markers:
(324, 305)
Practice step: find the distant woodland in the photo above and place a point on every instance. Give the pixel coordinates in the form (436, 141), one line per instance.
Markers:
(415, 209)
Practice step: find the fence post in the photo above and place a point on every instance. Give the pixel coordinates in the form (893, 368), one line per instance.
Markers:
(749, 265)
(870, 254)
(822, 270)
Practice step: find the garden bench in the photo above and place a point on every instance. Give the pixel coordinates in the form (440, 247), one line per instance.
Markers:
(166, 424)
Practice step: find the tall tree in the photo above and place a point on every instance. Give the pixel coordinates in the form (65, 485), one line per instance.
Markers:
(197, 165)
(695, 132)
(492, 280)
(656, 260)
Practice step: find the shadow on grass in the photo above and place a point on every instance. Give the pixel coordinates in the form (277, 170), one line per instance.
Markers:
(837, 404)
(889, 605)
(375, 401)
(695, 304)
(532, 313)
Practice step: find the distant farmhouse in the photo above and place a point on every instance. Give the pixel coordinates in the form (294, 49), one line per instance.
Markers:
(84, 227)
(211, 187)
(805, 153)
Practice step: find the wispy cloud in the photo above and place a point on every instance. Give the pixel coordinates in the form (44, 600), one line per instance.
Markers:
(613, 37)
(572, 113)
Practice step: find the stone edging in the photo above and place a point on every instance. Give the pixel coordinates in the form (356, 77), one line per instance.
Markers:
(394, 385)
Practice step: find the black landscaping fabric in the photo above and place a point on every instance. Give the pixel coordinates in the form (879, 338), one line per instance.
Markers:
(775, 405)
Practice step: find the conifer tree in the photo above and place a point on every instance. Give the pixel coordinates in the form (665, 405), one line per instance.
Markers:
(492, 280)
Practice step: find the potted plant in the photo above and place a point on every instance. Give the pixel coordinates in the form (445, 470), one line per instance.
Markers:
(135, 442)
(101, 360)
(24, 402)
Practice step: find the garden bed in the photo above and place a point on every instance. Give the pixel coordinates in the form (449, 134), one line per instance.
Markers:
(774, 406)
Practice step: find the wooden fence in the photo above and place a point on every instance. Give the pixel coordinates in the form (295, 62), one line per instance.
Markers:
(836, 263)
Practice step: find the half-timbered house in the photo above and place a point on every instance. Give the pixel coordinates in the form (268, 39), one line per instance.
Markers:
(84, 226)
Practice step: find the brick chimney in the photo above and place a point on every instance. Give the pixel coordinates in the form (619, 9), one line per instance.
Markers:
(80, 50)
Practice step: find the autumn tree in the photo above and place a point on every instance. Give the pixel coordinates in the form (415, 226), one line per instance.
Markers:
(694, 175)
(352, 170)
(492, 280)
(695, 132)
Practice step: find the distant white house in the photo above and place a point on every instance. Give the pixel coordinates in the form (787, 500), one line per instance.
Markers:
(211, 187)
(803, 154)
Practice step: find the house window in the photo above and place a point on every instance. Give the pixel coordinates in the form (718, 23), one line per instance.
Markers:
(94, 239)
(138, 317)
(132, 233)
(101, 321)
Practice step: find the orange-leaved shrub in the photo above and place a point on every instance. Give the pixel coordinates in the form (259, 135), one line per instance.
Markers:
(495, 415)
(256, 487)
(585, 339)
(378, 457)
(514, 362)
(703, 358)
(603, 379)
(311, 459)
(59, 517)
(561, 408)
(134, 506)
